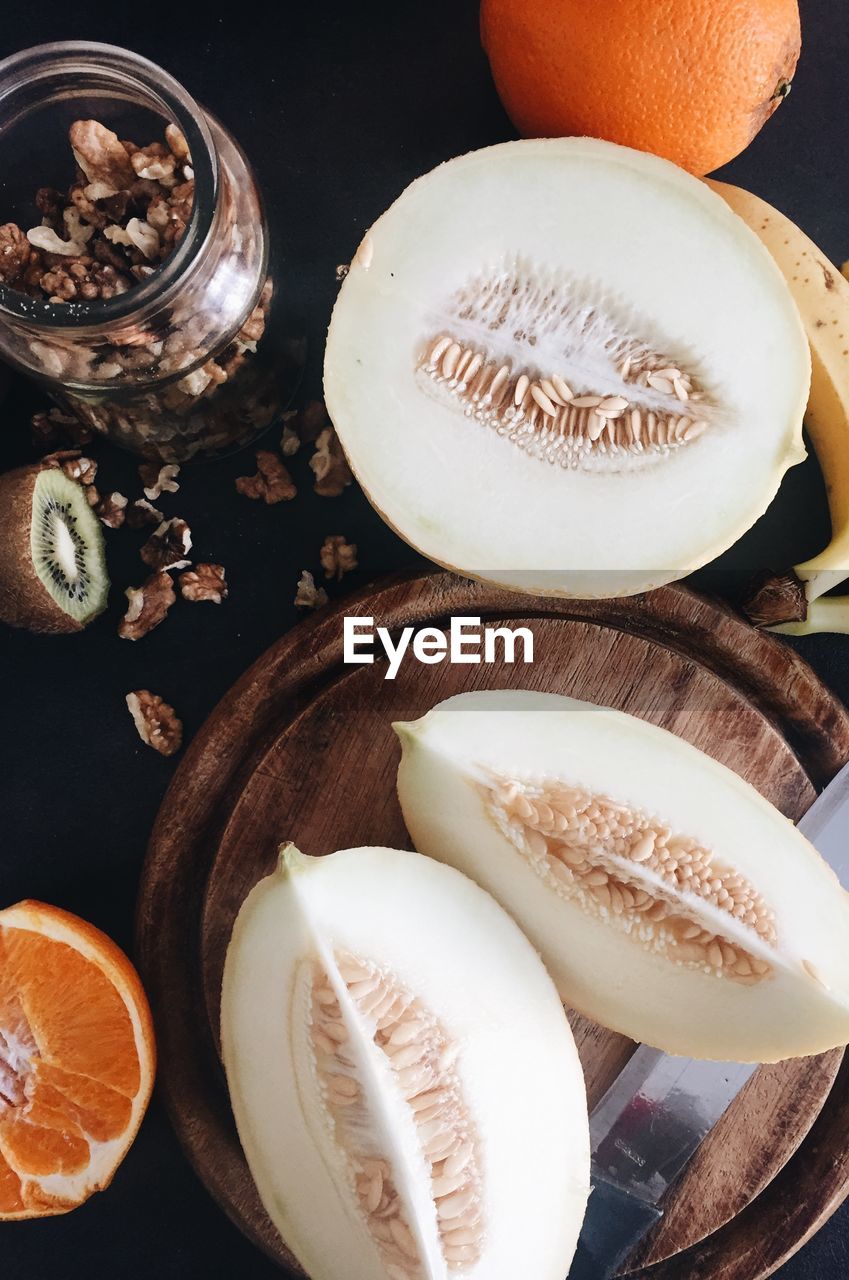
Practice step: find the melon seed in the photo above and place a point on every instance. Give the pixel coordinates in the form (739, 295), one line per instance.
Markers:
(633, 871)
(639, 402)
(422, 1058)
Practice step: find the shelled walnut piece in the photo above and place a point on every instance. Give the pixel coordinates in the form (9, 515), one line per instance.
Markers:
(156, 721)
(272, 482)
(311, 425)
(147, 606)
(74, 464)
(337, 556)
(121, 217)
(309, 422)
(15, 252)
(168, 545)
(141, 513)
(290, 441)
(111, 509)
(329, 465)
(206, 582)
(53, 428)
(158, 480)
(308, 595)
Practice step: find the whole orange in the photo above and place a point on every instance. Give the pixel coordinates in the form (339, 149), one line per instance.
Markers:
(692, 80)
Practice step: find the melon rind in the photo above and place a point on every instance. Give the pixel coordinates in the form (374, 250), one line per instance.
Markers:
(606, 974)
(672, 251)
(447, 940)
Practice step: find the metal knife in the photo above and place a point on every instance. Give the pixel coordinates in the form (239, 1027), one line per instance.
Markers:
(659, 1109)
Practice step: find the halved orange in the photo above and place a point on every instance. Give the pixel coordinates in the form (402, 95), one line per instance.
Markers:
(77, 1060)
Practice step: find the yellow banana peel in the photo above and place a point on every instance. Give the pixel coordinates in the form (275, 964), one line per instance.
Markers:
(821, 293)
(829, 613)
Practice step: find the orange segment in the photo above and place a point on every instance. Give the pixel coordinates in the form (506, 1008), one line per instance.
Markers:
(11, 1201)
(77, 1060)
(43, 1145)
(92, 1034)
(101, 1112)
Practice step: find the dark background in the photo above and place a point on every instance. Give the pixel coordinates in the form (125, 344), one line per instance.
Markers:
(339, 105)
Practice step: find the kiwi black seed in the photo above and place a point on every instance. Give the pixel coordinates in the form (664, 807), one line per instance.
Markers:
(53, 574)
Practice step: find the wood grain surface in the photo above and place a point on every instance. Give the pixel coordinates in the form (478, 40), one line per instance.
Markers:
(302, 748)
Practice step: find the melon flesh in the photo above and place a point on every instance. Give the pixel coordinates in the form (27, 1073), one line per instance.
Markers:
(595, 264)
(669, 900)
(404, 1080)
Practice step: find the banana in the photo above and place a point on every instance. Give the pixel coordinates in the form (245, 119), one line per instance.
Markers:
(822, 296)
(830, 614)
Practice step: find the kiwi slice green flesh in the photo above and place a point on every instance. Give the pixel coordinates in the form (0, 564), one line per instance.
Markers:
(53, 574)
(67, 546)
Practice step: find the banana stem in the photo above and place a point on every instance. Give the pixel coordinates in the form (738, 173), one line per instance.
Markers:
(830, 614)
(794, 603)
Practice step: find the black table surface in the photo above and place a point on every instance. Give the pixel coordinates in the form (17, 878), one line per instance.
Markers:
(339, 105)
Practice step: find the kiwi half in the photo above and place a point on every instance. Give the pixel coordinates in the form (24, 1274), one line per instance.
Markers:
(53, 574)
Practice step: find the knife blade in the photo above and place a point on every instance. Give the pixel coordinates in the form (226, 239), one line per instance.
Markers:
(659, 1109)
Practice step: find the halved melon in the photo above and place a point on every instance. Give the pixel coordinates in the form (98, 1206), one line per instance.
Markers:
(566, 366)
(669, 900)
(403, 1076)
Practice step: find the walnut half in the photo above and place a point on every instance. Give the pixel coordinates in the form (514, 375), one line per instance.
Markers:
(338, 557)
(100, 155)
(141, 513)
(168, 545)
(156, 722)
(111, 509)
(272, 481)
(308, 595)
(329, 465)
(75, 466)
(204, 582)
(158, 480)
(14, 252)
(147, 606)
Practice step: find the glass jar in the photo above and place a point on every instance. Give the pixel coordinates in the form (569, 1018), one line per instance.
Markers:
(193, 358)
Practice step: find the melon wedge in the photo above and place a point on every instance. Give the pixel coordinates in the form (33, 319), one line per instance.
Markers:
(669, 900)
(567, 367)
(405, 1083)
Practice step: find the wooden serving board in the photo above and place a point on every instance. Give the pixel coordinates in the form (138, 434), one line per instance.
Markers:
(302, 748)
